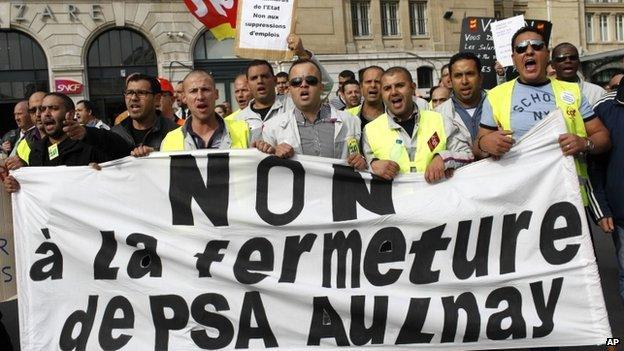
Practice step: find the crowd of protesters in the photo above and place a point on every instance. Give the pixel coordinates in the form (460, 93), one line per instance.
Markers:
(375, 121)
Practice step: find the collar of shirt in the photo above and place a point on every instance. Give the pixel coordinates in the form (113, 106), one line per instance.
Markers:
(458, 104)
(324, 115)
(199, 142)
(394, 119)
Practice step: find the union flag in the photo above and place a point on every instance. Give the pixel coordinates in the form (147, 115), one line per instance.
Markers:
(218, 15)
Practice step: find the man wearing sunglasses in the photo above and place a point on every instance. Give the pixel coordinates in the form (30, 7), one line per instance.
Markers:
(565, 61)
(146, 128)
(408, 139)
(513, 108)
(312, 127)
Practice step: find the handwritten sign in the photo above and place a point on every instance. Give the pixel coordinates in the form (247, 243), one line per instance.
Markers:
(8, 288)
(502, 32)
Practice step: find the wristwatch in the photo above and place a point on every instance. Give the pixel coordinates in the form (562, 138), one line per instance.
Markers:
(589, 145)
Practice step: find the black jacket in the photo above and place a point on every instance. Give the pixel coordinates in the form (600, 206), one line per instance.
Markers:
(97, 146)
(153, 138)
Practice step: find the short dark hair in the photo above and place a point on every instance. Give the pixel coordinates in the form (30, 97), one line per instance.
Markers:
(465, 55)
(67, 101)
(89, 106)
(255, 63)
(347, 74)
(349, 82)
(154, 83)
(282, 75)
(526, 29)
(399, 69)
(561, 46)
(363, 70)
(302, 61)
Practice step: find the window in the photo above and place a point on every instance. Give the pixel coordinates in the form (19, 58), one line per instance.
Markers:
(418, 21)
(589, 29)
(619, 27)
(425, 77)
(359, 18)
(389, 20)
(604, 28)
(23, 66)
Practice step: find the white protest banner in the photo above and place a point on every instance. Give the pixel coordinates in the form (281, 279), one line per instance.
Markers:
(502, 32)
(263, 27)
(8, 287)
(236, 249)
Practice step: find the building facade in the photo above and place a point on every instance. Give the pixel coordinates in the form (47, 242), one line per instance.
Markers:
(55, 44)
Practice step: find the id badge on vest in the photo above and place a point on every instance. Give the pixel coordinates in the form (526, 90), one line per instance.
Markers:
(53, 152)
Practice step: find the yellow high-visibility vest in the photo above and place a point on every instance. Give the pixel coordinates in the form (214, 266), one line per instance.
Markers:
(238, 131)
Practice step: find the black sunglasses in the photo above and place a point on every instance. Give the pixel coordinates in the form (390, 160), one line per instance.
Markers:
(536, 44)
(310, 80)
(563, 58)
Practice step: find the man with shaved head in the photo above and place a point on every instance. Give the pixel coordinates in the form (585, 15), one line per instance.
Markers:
(24, 127)
(242, 94)
(22, 149)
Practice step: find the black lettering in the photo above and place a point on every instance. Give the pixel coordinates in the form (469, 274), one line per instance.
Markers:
(104, 257)
(374, 256)
(359, 333)
(162, 324)
(186, 184)
(538, 115)
(252, 305)
(424, 251)
(211, 254)
(326, 323)
(411, 330)
(545, 310)
(549, 234)
(146, 260)
(525, 102)
(294, 247)
(3, 244)
(262, 190)
(535, 97)
(512, 225)
(244, 265)
(110, 323)
(547, 97)
(222, 324)
(462, 266)
(85, 319)
(7, 273)
(349, 189)
(340, 244)
(55, 261)
(468, 303)
(494, 329)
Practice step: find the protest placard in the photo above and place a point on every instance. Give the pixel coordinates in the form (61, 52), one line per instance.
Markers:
(8, 287)
(236, 249)
(502, 31)
(263, 27)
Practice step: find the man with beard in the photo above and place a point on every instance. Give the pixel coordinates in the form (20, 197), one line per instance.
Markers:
(312, 127)
(407, 139)
(66, 142)
(145, 127)
(565, 61)
(466, 102)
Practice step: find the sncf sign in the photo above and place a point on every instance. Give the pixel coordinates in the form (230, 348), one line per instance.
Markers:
(68, 87)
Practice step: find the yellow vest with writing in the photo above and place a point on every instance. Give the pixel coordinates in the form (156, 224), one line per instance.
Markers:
(238, 130)
(430, 134)
(568, 100)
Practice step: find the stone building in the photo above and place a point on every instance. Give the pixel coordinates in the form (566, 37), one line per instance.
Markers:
(53, 45)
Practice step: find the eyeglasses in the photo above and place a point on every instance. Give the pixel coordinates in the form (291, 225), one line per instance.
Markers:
(563, 58)
(138, 93)
(310, 80)
(536, 44)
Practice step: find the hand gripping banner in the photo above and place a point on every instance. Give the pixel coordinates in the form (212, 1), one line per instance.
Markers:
(241, 250)
(217, 15)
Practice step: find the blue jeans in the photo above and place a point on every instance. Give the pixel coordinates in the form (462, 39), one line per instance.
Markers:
(618, 238)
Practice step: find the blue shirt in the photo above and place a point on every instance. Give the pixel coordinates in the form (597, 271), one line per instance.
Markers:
(529, 105)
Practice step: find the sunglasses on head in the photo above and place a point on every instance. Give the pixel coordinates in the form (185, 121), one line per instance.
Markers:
(310, 80)
(563, 58)
(536, 45)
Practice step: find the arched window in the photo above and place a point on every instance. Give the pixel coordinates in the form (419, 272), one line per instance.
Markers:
(23, 70)
(218, 58)
(425, 77)
(112, 56)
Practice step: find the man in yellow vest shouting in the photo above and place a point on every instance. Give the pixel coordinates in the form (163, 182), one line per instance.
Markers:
(515, 107)
(407, 139)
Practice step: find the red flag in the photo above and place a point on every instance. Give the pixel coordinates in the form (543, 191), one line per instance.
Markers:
(218, 15)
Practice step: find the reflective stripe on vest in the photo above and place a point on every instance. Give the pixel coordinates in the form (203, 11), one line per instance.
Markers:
(23, 150)
(430, 134)
(238, 131)
(500, 100)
